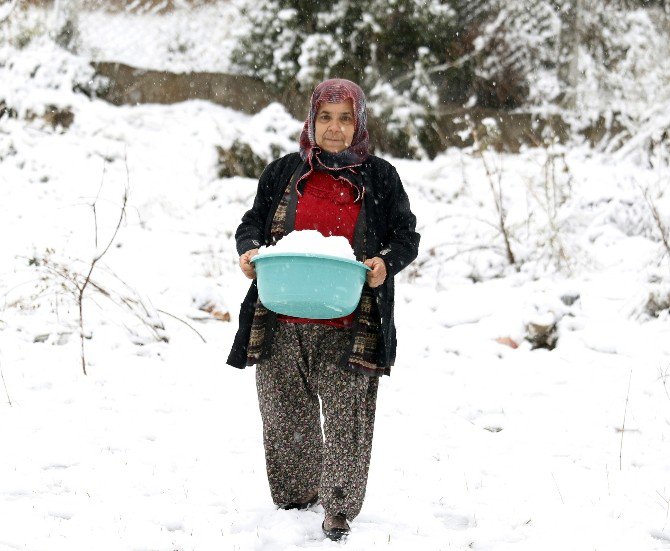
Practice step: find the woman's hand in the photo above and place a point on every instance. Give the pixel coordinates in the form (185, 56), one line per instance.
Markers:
(245, 263)
(377, 274)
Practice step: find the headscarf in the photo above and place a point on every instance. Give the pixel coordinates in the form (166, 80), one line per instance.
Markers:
(343, 165)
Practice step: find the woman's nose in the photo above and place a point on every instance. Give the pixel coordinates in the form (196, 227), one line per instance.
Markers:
(333, 126)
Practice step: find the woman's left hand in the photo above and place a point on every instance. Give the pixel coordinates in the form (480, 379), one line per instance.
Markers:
(377, 274)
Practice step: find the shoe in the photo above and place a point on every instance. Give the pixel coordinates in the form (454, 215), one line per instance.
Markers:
(301, 506)
(338, 527)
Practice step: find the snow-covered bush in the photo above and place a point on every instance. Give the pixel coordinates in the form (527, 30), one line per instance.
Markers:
(239, 160)
(20, 24)
(41, 76)
(657, 303)
(73, 286)
(19, 27)
(543, 313)
(268, 135)
(66, 25)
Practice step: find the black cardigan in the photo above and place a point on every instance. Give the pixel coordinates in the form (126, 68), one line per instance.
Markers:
(390, 235)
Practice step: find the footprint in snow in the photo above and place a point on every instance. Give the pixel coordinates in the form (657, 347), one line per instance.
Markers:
(173, 526)
(454, 521)
(56, 466)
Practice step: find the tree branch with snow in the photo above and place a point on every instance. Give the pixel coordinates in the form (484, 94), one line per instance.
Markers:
(6, 10)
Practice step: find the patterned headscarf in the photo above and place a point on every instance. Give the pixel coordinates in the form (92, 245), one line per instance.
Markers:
(342, 165)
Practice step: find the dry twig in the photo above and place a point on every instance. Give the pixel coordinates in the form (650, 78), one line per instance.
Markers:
(436, 68)
(501, 226)
(184, 322)
(81, 287)
(623, 427)
(72, 282)
(558, 489)
(663, 376)
(496, 190)
(550, 202)
(666, 501)
(660, 225)
(9, 400)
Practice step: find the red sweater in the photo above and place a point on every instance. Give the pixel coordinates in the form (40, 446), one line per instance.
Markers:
(326, 205)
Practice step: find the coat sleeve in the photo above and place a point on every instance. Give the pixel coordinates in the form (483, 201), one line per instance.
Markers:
(249, 234)
(403, 240)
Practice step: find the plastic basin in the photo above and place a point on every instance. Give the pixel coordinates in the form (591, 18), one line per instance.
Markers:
(309, 285)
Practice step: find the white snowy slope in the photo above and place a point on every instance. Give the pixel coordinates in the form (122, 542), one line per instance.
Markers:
(478, 445)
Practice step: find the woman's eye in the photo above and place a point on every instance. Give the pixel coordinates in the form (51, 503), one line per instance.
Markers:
(346, 119)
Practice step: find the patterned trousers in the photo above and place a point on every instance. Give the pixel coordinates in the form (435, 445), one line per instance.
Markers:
(300, 458)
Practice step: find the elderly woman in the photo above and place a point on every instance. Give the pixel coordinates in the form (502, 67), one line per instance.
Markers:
(334, 185)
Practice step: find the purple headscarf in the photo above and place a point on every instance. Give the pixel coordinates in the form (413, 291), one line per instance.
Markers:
(342, 164)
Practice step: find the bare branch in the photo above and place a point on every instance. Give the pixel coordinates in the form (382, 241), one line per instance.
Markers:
(87, 279)
(73, 282)
(468, 217)
(9, 400)
(502, 226)
(436, 68)
(623, 427)
(660, 225)
(184, 322)
(78, 278)
(663, 377)
(422, 263)
(549, 204)
(118, 225)
(497, 197)
(557, 488)
(666, 501)
(95, 201)
(470, 250)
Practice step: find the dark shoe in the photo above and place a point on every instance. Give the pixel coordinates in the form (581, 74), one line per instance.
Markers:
(335, 527)
(300, 506)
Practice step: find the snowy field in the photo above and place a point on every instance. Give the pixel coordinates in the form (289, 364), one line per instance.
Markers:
(478, 445)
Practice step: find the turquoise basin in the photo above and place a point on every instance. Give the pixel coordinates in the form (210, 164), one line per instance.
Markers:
(309, 285)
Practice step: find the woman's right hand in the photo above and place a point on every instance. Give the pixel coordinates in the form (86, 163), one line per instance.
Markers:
(245, 263)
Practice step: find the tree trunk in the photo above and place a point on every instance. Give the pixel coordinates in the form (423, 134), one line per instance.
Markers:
(571, 37)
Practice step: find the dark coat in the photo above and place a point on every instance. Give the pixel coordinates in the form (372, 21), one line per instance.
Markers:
(390, 235)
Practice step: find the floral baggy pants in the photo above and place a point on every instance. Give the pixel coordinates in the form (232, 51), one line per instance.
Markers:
(299, 371)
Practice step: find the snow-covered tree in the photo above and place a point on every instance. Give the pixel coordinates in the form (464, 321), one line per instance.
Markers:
(583, 55)
(516, 46)
(390, 47)
(417, 58)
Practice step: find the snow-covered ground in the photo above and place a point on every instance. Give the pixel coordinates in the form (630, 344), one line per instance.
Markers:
(478, 445)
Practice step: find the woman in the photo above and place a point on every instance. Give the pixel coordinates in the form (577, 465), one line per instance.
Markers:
(336, 187)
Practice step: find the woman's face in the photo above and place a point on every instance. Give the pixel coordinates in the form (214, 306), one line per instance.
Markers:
(334, 126)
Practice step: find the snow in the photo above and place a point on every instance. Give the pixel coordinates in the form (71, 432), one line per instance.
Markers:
(171, 41)
(311, 242)
(478, 445)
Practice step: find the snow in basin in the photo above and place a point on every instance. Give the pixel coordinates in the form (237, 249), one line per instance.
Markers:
(311, 241)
